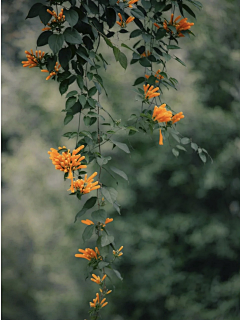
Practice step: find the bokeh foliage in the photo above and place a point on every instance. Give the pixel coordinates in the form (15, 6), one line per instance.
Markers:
(180, 223)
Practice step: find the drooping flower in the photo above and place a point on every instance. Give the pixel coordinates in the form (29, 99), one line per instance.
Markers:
(87, 185)
(97, 279)
(33, 59)
(118, 253)
(177, 117)
(53, 73)
(182, 25)
(122, 23)
(131, 2)
(150, 92)
(160, 137)
(67, 161)
(97, 304)
(89, 254)
(157, 75)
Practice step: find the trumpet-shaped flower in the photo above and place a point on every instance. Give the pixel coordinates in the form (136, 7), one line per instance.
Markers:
(150, 92)
(96, 302)
(89, 222)
(53, 73)
(97, 279)
(58, 20)
(33, 59)
(67, 161)
(157, 75)
(89, 254)
(87, 185)
(131, 2)
(122, 23)
(177, 117)
(181, 25)
(118, 253)
(160, 114)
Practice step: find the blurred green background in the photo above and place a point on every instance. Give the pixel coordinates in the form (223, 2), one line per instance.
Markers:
(180, 222)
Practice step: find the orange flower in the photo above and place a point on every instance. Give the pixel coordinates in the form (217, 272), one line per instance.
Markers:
(33, 60)
(150, 92)
(156, 25)
(177, 117)
(97, 279)
(145, 55)
(87, 185)
(58, 20)
(131, 2)
(118, 253)
(160, 137)
(122, 23)
(89, 222)
(89, 254)
(97, 304)
(53, 73)
(160, 114)
(180, 26)
(67, 162)
(157, 75)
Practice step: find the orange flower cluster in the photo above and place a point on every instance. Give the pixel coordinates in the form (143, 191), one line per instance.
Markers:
(33, 60)
(122, 23)
(97, 304)
(53, 73)
(144, 54)
(118, 253)
(89, 222)
(67, 161)
(160, 114)
(157, 75)
(97, 279)
(181, 25)
(150, 92)
(89, 254)
(58, 19)
(87, 185)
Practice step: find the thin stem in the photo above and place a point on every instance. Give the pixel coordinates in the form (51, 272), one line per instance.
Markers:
(79, 121)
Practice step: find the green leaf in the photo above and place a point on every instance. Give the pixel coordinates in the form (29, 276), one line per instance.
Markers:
(116, 53)
(121, 146)
(88, 205)
(171, 46)
(117, 207)
(117, 273)
(146, 37)
(70, 102)
(119, 172)
(137, 13)
(64, 56)
(71, 93)
(139, 81)
(82, 99)
(72, 36)
(71, 17)
(202, 157)
(103, 160)
(181, 148)
(166, 56)
(63, 87)
(43, 38)
(185, 140)
(82, 55)
(108, 42)
(88, 232)
(160, 34)
(99, 215)
(194, 146)
(44, 15)
(135, 33)
(80, 81)
(55, 42)
(103, 264)
(92, 91)
(68, 118)
(111, 17)
(146, 4)
(175, 152)
(175, 137)
(106, 240)
(145, 62)
(110, 194)
(34, 11)
(180, 61)
(86, 134)
(185, 7)
(123, 60)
